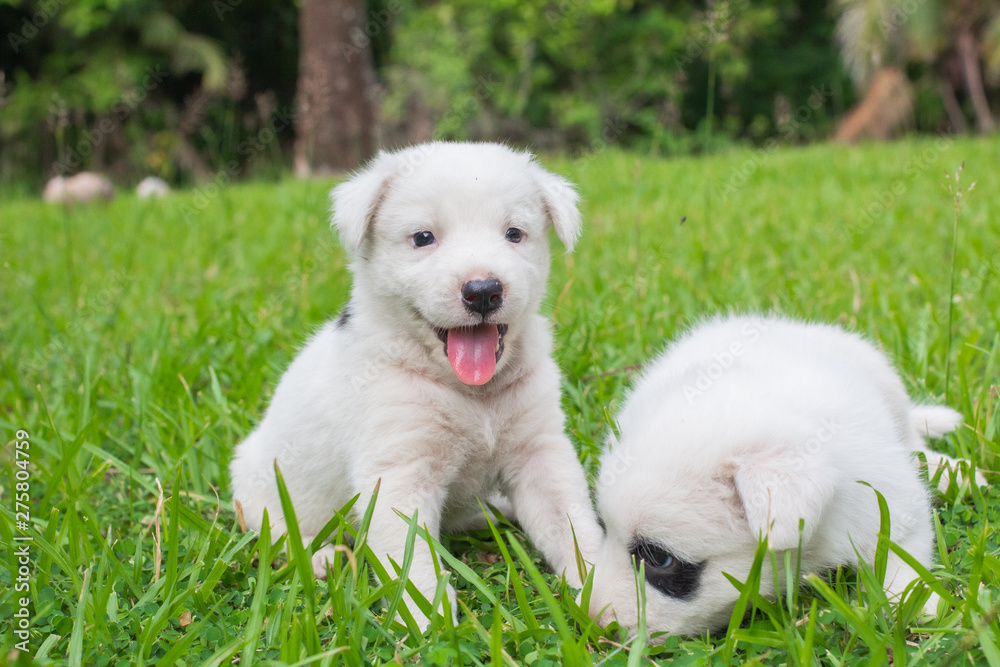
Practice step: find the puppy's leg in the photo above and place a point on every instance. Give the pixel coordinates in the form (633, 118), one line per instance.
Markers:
(936, 421)
(549, 493)
(418, 486)
(938, 461)
(899, 575)
(322, 556)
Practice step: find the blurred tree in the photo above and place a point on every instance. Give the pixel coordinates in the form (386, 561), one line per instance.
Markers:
(952, 36)
(206, 88)
(969, 20)
(185, 89)
(885, 111)
(585, 73)
(77, 72)
(335, 119)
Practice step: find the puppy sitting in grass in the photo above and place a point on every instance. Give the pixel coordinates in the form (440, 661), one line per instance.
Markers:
(744, 427)
(437, 379)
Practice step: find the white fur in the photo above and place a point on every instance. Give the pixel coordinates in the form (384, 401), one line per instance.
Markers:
(743, 427)
(374, 398)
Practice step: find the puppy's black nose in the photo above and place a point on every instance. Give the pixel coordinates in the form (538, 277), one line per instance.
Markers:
(482, 296)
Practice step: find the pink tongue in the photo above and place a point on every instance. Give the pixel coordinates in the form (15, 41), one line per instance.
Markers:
(472, 352)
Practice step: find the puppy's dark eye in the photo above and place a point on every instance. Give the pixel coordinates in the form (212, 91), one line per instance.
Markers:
(514, 235)
(421, 239)
(654, 556)
(666, 572)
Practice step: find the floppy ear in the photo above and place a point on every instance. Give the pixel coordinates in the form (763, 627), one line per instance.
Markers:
(779, 488)
(355, 203)
(559, 198)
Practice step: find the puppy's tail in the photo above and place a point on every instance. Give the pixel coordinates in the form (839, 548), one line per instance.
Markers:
(933, 421)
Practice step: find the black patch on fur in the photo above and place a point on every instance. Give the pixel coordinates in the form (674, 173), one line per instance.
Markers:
(345, 317)
(679, 579)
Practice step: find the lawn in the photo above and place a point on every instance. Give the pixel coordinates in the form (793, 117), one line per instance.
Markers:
(140, 341)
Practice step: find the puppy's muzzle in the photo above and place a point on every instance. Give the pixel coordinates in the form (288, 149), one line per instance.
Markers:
(482, 297)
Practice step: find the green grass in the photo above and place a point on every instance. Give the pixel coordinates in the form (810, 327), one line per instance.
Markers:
(140, 341)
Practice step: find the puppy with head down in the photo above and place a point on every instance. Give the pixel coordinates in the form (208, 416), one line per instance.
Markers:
(743, 428)
(437, 378)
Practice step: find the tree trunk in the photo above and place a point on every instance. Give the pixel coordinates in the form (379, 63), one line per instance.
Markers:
(951, 106)
(335, 99)
(974, 81)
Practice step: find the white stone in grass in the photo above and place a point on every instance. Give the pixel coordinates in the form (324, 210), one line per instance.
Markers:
(82, 187)
(152, 186)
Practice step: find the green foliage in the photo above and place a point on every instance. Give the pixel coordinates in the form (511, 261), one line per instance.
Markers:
(124, 86)
(593, 72)
(142, 339)
(573, 74)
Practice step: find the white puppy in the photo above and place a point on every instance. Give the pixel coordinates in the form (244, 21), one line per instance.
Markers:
(437, 378)
(742, 428)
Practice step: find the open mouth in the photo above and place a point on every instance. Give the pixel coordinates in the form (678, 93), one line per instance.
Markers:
(473, 352)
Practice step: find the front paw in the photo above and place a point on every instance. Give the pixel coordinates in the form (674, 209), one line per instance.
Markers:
(421, 619)
(930, 609)
(573, 578)
(324, 559)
